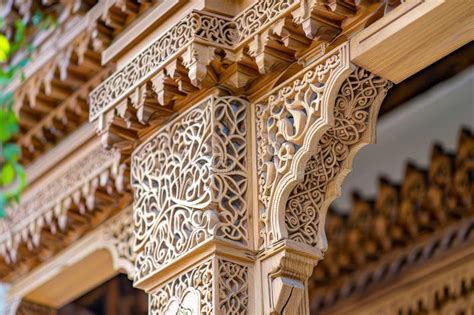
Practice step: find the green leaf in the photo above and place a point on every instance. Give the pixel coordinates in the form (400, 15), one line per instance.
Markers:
(8, 173)
(21, 174)
(4, 48)
(11, 152)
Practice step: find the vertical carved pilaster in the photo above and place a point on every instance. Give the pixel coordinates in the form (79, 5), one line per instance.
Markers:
(190, 210)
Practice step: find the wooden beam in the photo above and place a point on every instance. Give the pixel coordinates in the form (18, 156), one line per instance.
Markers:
(413, 36)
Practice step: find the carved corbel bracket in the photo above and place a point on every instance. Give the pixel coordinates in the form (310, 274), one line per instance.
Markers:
(308, 133)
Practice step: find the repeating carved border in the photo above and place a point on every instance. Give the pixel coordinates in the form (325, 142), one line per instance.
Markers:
(436, 294)
(207, 30)
(48, 204)
(190, 183)
(214, 30)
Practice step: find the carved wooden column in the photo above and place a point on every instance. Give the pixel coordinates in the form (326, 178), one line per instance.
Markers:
(308, 132)
(190, 183)
(230, 198)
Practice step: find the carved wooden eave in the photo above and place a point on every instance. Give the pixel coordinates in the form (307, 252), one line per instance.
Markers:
(59, 209)
(52, 101)
(108, 247)
(430, 213)
(204, 50)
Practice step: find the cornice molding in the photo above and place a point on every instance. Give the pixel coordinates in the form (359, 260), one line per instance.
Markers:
(205, 49)
(46, 205)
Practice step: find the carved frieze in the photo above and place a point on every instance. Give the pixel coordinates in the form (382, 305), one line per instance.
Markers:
(190, 183)
(215, 30)
(426, 215)
(203, 49)
(47, 205)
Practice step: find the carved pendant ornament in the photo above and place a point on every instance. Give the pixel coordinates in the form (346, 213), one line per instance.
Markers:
(190, 183)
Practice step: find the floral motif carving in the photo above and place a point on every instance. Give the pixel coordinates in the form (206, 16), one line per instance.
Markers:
(284, 121)
(214, 29)
(189, 293)
(233, 287)
(356, 104)
(190, 182)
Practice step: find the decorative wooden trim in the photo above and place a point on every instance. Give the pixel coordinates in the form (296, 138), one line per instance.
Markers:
(266, 34)
(78, 185)
(114, 235)
(190, 181)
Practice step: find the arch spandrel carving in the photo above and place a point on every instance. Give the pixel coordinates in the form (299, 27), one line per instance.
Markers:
(308, 134)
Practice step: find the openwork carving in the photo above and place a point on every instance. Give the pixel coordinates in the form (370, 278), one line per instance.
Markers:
(356, 105)
(189, 293)
(253, 19)
(190, 182)
(286, 122)
(213, 29)
(233, 287)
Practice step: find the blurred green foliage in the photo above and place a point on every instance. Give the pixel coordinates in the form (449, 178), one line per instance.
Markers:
(12, 173)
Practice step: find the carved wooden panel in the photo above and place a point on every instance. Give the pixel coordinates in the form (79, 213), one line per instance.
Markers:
(193, 291)
(190, 183)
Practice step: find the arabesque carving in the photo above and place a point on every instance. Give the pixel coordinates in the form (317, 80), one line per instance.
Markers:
(356, 107)
(199, 25)
(233, 287)
(286, 123)
(266, 35)
(189, 293)
(190, 183)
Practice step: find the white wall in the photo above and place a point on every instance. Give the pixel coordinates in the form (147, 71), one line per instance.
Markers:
(408, 133)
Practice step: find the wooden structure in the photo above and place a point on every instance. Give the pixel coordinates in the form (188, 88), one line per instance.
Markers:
(196, 146)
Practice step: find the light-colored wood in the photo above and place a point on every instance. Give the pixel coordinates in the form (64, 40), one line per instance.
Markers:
(413, 36)
(68, 275)
(235, 123)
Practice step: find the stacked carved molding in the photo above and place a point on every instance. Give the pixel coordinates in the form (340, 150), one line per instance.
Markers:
(248, 54)
(52, 101)
(431, 212)
(92, 184)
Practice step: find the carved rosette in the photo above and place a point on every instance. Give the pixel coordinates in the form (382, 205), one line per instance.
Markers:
(192, 291)
(190, 183)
